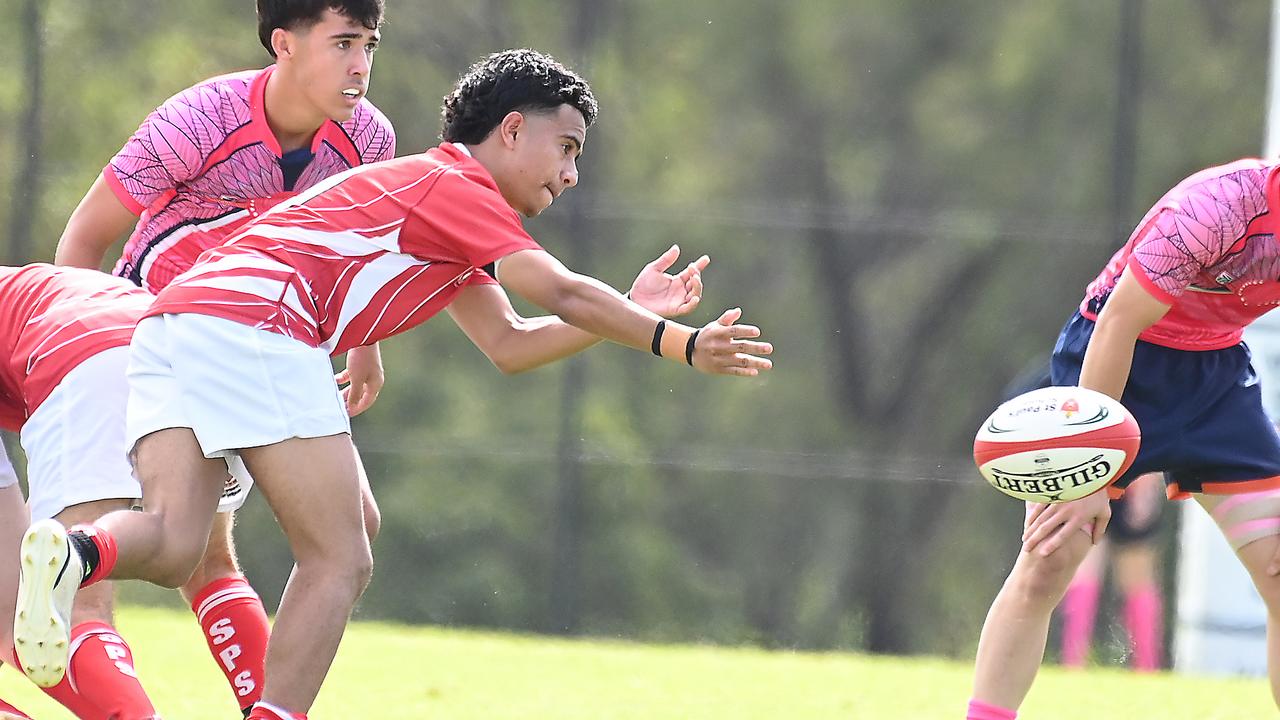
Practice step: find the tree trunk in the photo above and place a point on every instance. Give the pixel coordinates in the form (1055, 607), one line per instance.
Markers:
(28, 180)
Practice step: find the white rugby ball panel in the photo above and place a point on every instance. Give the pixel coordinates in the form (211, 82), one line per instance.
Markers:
(1057, 474)
(1052, 412)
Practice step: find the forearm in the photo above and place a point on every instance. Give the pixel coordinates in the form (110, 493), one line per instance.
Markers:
(538, 341)
(598, 310)
(1108, 360)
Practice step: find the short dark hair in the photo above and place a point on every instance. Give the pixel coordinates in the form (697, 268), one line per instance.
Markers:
(512, 80)
(301, 14)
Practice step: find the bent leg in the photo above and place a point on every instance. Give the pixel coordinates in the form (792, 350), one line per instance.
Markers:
(180, 489)
(313, 486)
(1013, 639)
(231, 615)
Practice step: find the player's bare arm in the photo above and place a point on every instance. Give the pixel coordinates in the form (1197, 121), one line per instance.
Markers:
(718, 347)
(97, 222)
(1130, 310)
(516, 344)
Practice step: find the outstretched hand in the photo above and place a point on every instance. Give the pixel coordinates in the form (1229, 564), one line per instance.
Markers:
(725, 348)
(665, 294)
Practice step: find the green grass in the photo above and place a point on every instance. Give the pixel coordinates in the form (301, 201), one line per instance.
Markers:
(388, 672)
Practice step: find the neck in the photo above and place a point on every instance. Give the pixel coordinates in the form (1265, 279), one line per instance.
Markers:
(292, 119)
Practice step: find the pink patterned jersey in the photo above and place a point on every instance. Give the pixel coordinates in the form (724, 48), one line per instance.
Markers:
(1209, 250)
(206, 161)
(51, 320)
(360, 257)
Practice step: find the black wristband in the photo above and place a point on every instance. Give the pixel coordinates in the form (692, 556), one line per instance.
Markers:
(656, 345)
(688, 347)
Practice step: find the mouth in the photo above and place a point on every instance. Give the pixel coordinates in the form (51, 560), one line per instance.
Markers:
(353, 94)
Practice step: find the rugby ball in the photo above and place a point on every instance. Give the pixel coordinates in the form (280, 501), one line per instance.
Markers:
(1056, 444)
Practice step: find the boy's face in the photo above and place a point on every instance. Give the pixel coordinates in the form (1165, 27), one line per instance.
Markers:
(545, 161)
(331, 62)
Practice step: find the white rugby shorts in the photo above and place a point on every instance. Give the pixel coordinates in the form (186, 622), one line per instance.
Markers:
(234, 385)
(75, 441)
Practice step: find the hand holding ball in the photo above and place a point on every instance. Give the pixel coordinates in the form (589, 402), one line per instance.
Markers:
(1056, 444)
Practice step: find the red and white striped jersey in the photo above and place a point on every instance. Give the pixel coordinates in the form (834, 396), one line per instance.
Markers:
(53, 319)
(360, 257)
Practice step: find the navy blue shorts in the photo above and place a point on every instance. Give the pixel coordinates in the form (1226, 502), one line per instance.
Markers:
(1200, 413)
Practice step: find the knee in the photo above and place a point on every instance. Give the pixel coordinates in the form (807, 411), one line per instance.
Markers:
(351, 570)
(1044, 579)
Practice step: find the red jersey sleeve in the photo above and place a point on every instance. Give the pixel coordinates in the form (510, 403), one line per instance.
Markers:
(464, 219)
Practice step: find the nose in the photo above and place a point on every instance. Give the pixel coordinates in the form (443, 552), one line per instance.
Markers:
(362, 64)
(570, 175)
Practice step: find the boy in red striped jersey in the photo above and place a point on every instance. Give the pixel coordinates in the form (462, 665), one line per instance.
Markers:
(231, 362)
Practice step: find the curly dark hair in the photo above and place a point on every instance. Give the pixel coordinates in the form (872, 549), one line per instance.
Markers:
(301, 14)
(512, 80)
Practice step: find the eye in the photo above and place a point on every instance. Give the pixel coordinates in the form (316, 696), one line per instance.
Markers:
(344, 44)
(371, 48)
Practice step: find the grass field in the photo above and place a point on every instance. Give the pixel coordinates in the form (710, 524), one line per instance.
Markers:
(390, 672)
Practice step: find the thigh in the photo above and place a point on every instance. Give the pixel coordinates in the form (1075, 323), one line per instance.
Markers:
(313, 487)
(1256, 545)
(75, 439)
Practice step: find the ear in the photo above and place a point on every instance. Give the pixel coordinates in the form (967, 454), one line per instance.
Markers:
(510, 128)
(282, 42)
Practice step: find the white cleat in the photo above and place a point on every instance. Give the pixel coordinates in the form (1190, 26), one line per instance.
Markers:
(51, 574)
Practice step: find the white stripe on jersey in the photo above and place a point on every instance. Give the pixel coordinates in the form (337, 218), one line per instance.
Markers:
(78, 313)
(34, 359)
(177, 236)
(369, 279)
(348, 242)
(329, 182)
(271, 290)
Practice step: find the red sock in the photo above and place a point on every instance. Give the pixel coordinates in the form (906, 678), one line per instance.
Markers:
(66, 696)
(1079, 609)
(106, 545)
(979, 710)
(7, 708)
(1144, 619)
(101, 683)
(236, 629)
(267, 711)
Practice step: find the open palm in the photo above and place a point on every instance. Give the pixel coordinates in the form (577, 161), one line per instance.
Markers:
(669, 295)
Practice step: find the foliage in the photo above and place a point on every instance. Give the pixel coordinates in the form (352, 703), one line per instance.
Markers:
(908, 197)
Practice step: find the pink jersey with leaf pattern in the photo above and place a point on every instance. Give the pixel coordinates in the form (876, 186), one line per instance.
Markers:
(1208, 249)
(206, 161)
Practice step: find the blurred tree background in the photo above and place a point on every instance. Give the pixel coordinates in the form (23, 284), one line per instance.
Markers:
(908, 196)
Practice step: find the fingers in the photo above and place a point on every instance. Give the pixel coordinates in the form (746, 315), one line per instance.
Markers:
(1040, 530)
(730, 316)
(665, 260)
(343, 377)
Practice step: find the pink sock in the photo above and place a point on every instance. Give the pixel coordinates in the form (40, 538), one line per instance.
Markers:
(1144, 619)
(1079, 609)
(979, 710)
